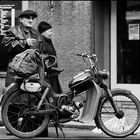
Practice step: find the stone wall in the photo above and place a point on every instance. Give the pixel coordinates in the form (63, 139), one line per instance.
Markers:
(72, 22)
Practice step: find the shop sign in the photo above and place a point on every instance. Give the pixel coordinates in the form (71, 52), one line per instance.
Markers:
(7, 15)
(134, 31)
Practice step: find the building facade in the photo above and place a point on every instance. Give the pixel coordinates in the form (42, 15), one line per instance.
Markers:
(111, 29)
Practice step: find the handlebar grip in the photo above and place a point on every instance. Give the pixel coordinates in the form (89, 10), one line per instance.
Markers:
(83, 55)
(93, 56)
(86, 55)
(78, 54)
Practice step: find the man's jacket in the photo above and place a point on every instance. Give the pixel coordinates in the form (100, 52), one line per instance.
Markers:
(14, 42)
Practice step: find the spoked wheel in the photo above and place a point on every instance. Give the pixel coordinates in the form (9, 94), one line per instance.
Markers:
(17, 120)
(128, 120)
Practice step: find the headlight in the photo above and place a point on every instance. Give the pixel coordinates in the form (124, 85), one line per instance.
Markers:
(104, 74)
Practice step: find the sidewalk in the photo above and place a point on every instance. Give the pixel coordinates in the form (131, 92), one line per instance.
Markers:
(72, 124)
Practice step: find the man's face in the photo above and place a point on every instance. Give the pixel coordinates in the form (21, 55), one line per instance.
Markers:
(48, 33)
(28, 21)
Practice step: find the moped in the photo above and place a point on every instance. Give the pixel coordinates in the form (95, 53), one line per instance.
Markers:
(30, 104)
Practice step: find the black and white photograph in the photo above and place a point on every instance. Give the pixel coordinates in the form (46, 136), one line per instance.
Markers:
(70, 69)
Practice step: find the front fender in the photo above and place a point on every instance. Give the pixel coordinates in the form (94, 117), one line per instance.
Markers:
(120, 89)
(10, 89)
(92, 100)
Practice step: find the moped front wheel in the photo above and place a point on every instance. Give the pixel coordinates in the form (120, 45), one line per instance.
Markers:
(15, 118)
(119, 126)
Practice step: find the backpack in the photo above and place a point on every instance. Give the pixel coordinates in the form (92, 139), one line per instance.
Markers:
(26, 63)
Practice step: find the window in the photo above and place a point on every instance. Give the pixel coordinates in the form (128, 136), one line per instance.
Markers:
(128, 42)
(8, 17)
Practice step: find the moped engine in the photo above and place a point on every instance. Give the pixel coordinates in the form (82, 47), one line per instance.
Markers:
(71, 110)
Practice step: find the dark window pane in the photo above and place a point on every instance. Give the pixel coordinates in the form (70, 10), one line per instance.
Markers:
(6, 8)
(128, 42)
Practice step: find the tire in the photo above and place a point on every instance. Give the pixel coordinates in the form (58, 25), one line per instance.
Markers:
(17, 122)
(113, 126)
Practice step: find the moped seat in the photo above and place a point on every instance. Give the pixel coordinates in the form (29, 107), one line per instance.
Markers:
(57, 69)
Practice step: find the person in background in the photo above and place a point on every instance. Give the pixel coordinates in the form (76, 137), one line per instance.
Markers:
(19, 38)
(46, 30)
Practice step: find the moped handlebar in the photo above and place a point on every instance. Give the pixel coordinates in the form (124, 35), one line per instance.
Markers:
(85, 55)
(50, 61)
(92, 58)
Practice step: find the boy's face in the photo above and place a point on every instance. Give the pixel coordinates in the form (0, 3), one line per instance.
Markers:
(28, 21)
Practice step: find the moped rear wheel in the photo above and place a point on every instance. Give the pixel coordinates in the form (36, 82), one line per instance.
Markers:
(17, 121)
(129, 121)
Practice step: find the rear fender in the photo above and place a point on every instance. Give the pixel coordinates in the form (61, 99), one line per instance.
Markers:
(10, 89)
(92, 100)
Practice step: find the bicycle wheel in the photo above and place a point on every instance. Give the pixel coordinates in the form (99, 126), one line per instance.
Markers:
(17, 121)
(113, 126)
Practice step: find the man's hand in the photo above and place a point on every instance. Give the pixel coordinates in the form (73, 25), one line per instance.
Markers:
(31, 41)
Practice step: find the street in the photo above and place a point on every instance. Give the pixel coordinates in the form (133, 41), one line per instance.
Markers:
(70, 133)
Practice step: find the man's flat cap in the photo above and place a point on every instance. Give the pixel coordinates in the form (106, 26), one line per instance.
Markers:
(27, 13)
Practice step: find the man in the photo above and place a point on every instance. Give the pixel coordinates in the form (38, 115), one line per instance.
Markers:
(20, 38)
(46, 30)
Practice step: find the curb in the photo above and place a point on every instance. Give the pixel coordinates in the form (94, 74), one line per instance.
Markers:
(79, 126)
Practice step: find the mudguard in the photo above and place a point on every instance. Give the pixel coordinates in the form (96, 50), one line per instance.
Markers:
(92, 100)
(120, 89)
(10, 89)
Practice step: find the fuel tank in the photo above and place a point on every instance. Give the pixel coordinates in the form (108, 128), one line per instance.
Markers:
(81, 82)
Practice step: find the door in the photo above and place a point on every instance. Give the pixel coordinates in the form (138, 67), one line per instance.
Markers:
(125, 45)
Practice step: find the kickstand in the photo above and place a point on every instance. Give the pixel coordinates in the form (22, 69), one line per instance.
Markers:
(56, 125)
